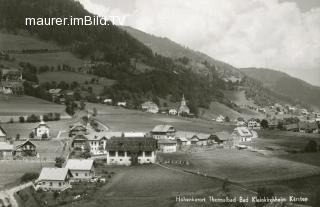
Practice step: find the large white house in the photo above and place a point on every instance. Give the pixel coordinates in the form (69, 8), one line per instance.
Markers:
(42, 130)
(150, 107)
(81, 169)
(131, 150)
(53, 179)
(243, 134)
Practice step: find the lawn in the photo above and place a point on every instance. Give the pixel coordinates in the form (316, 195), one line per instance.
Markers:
(120, 119)
(243, 166)
(15, 106)
(146, 186)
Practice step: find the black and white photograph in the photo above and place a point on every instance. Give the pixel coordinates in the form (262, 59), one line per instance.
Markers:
(159, 103)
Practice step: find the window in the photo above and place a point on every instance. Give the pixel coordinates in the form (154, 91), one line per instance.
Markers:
(112, 153)
(148, 160)
(148, 153)
(77, 174)
(50, 183)
(140, 153)
(86, 174)
(121, 153)
(120, 159)
(59, 183)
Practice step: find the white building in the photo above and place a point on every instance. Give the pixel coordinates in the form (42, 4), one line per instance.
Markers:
(173, 112)
(42, 130)
(183, 108)
(53, 179)
(131, 150)
(122, 103)
(243, 134)
(81, 169)
(253, 124)
(167, 146)
(220, 119)
(150, 107)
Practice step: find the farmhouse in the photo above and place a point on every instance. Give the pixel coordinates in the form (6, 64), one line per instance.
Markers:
(183, 141)
(26, 149)
(308, 127)
(10, 74)
(56, 94)
(253, 124)
(131, 150)
(167, 146)
(97, 144)
(80, 142)
(54, 179)
(42, 130)
(222, 138)
(163, 132)
(3, 135)
(6, 151)
(173, 111)
(81, 169)
(77, 129)
(243, 134)
(220, 119)
(183, 108)
(122, 103)
(150, 107)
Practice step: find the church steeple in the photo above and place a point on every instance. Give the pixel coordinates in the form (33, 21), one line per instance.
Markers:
(183, 101)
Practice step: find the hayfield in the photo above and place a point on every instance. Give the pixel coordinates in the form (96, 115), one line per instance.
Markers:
(50, 59)
(120, 119)
(147, 186)
(11, 171)
(244, 166)
(20, 42)
(27, 105)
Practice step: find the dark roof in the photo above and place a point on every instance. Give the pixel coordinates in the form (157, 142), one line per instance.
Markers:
(25, 143)
(2, 132)
(80, 137)
(132, 144)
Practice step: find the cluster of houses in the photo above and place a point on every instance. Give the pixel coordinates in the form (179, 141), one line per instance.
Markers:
(60, 179)
(152, 107)
(11, 82)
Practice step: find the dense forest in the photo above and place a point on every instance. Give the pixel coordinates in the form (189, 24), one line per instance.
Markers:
(117, 49)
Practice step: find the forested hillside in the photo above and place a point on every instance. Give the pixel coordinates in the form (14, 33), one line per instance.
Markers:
(118, 54)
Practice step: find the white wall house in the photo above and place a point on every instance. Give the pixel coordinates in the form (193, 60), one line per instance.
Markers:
(41, 130)
(131, 150)
(243, 134)
(81, 169)
(163, 132)
(53, 179)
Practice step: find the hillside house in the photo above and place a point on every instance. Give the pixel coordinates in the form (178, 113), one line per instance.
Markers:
(108, 101)
(77, 129)
(97, 144)
(220, 119)
(122, 103)
(81, 169)
(183, 142)
(222, 138)
(6, 151)
(173, 112)
(243, 134)
(80, 142)
(54, 179)
(183, 108)
(3, 135)
(163, 132)
(11, 87)
(291, 127)
(42, 131)
(253, 124)
(131, 150)
(150, 107)
(25, 149)
(56, 94)
(167, 146)
(308, 127)
(10, 74)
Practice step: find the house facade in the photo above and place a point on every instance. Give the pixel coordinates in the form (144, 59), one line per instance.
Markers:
(81, 169)
(131, 150)
(42, 130)
(6, 151)
(25, 149)
(243, 134)
(167, 146)
(54, 179)
(163, 132)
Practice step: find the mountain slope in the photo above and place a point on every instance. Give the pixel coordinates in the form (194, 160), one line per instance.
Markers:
(286, 85)
(168, 48)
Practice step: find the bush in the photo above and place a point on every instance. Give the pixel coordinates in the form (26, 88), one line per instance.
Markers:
(312, 146)
(59, 161)
(264, 124)
(29, 177)
(21, 119)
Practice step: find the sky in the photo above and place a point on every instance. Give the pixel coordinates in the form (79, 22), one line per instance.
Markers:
(279, 34)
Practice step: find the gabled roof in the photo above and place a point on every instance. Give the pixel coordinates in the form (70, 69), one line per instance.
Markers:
(224, 136)
(183, 139)
(55, 91)
(166, 141)
(77, 164)
(133, 144)
(2, 132)
(243, 131)
(6, 147)
(162, 128)
(58, 174)
(24, 143)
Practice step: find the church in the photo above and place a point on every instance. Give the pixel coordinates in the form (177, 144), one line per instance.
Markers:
(183, 108)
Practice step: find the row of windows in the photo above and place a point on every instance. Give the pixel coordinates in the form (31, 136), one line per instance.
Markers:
(122, 154)
(139, 160)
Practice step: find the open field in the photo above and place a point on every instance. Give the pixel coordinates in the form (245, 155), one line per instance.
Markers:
(146, 186)
(50, 59)
(19, 42)
(120, 119)
(24, 129)
(27, 105)
(11, 171)
(243, 166)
